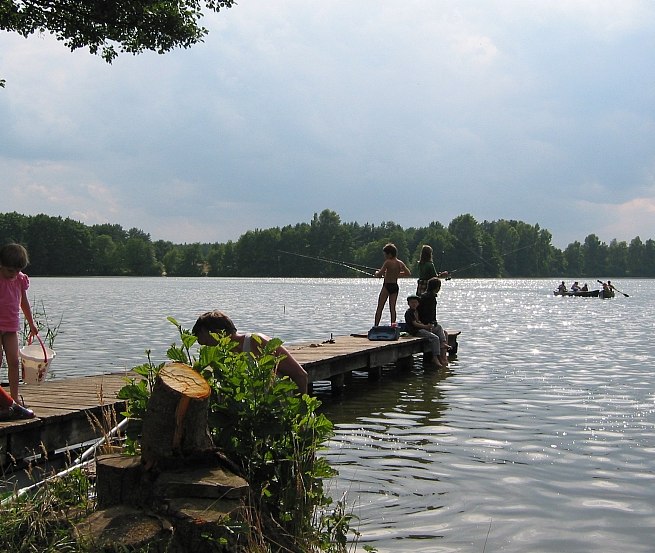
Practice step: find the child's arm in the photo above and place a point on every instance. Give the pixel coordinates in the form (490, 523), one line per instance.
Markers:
(413, 320)
(404, 269)
(382, 270)
(27, 311)
(288, 366)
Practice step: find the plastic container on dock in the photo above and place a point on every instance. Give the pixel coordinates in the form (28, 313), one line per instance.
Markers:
(35, 362)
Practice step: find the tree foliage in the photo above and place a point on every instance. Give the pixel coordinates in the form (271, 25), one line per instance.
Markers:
(324, 247)
(107, 27)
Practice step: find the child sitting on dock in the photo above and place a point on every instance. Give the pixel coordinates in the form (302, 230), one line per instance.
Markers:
(391, 270)
(427, 314)
(416, 328)
(13, 299)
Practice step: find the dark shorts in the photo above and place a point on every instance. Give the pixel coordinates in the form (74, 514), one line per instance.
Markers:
(391, 287)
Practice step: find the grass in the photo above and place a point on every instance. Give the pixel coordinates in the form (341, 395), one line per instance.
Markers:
(43, 519)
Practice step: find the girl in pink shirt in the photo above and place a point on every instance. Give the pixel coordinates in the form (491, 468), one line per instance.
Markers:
(13, 298)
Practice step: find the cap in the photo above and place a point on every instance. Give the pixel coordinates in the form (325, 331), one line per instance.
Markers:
(413, 297)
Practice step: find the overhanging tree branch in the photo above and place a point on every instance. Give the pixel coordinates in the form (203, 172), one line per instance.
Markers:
(108, 27)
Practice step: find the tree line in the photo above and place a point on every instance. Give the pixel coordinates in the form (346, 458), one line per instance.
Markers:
(324, 247)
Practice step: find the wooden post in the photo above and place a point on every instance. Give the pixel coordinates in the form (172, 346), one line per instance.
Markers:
(375, 373)
(337, 384)
(175, 423)
(452, 342)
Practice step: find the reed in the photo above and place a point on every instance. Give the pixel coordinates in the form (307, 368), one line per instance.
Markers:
(43, 520)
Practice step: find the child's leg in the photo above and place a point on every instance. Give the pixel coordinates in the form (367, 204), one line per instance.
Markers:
(443, 357)
(382, 299)
(10, 345)
(392, 306)
(5, 398)
(434, 345)
(443, 343)
(439, 331)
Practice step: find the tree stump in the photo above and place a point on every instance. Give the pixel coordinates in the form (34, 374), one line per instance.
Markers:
(124, 528)
(118, 480)
(175, 422)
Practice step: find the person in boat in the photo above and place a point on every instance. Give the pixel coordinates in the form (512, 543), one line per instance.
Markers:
(217, 322)
(575, 287)
(562, 288)
(426, 270)
(423, 330)
(584, 288)
(391, 270)
(608, 289)
(427, 314)
(13, 299)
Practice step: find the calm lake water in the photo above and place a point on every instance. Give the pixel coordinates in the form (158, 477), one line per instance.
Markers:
(539, 438)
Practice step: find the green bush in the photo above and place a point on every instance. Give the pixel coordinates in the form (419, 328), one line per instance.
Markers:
(261, 423)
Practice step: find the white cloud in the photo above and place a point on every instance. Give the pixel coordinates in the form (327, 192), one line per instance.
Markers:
(498, 109)
(622, 221)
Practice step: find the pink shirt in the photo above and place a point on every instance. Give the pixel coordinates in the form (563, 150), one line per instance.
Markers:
(11, 292)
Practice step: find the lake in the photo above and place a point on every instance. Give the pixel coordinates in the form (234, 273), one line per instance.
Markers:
(539, 438)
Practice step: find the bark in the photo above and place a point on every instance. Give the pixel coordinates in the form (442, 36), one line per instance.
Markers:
(175, 424)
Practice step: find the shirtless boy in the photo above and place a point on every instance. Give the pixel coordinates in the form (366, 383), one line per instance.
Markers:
(391, 270)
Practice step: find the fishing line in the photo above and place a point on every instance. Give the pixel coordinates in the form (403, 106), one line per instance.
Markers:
(351, 266)
(482, 259)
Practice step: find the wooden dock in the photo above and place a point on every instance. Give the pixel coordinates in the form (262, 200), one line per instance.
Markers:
(64, 407)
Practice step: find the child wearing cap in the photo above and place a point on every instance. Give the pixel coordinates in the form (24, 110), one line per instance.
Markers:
(416, 328)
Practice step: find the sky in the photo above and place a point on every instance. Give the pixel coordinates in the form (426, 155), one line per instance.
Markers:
(411, 112)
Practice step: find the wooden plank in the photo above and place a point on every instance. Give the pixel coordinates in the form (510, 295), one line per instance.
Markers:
(63, 406)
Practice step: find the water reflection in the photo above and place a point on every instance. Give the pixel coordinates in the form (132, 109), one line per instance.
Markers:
(540, 438)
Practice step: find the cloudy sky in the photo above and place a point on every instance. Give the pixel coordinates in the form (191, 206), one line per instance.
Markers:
(412, 112)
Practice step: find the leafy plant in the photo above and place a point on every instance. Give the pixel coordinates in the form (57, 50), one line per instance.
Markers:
(138, 389)
(259, 421)
(42, 323)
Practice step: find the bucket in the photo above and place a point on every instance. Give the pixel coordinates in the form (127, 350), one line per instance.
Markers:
(35, 360)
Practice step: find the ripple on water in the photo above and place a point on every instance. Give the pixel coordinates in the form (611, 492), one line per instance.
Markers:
(540, 438)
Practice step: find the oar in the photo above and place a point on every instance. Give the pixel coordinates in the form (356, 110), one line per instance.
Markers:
(615, 288)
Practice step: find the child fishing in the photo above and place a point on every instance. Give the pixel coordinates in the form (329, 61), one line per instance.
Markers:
(391, 270)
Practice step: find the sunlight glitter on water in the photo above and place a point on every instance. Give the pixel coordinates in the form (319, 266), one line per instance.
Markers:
(539, 438)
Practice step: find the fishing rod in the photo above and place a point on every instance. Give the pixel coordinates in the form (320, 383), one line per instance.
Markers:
(351, 266)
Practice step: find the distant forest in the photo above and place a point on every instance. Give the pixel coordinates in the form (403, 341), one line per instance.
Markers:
(324, 247)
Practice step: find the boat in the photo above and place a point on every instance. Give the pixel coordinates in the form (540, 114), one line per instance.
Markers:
(579, 293)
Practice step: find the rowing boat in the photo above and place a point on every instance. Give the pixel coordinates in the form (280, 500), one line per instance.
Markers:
(603, 294)
(579, 293)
